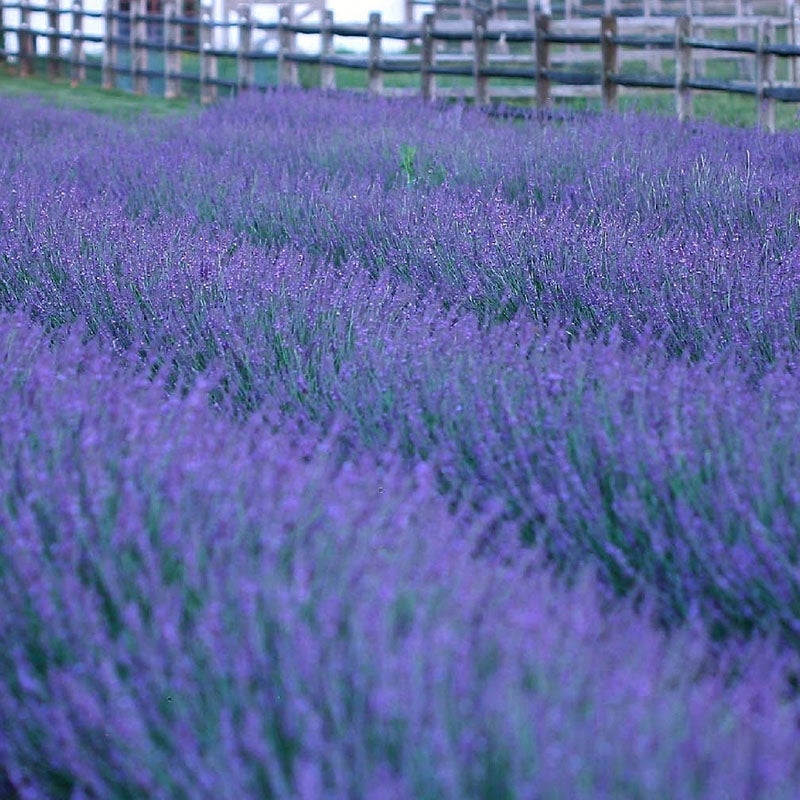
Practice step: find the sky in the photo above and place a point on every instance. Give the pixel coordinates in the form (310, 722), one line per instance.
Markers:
(359, 10)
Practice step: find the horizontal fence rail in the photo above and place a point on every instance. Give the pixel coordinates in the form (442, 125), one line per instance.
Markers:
(546, 57)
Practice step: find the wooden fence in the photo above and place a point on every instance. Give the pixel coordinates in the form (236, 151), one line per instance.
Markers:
(549, 57)
(568, 9)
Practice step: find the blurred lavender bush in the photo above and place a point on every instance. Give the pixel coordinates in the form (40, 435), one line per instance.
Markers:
(331, 429)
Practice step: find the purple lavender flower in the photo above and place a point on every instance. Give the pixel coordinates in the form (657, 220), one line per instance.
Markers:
(317, 481)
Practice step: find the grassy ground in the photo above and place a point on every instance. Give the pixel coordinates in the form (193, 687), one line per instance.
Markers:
(728, 109)
(89, 96)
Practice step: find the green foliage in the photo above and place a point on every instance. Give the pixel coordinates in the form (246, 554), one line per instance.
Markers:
(420, 171)
(408, 163)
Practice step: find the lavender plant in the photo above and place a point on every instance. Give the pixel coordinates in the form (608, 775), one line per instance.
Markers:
(193, 609)
(305, 402)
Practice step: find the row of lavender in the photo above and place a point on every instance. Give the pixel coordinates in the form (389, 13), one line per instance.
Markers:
(332, 431)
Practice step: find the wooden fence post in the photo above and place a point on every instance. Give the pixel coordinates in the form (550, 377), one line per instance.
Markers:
(683, 68)
(287, 70)
(480, 57)
(189, 11)
(78, 70)
(532, 5)
(428, 59)
(543, 98)
(794, 27)
(375, 76)
(327, 72)
(571, 11)
(654, 57)
(700, 31)
(110, 46)
(209, 68)
(53, 39)
(749, 31)
(500, 12)
(138, 53)
(409, 19)
(765, 76)
(245, 68)
(172, 56)
(27, 42)
(610, 59)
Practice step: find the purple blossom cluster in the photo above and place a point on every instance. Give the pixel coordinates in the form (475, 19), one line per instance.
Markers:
(195, 610)
(356, 449)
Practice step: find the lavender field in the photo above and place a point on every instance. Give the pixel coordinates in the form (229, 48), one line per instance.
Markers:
(356, 448)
